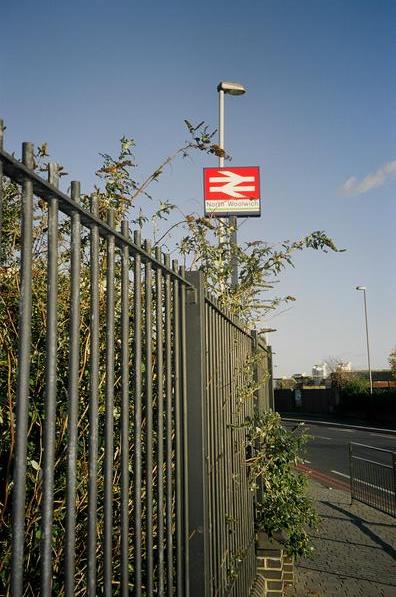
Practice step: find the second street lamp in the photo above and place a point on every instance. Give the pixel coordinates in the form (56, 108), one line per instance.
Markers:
(363, 289)
(231, 88)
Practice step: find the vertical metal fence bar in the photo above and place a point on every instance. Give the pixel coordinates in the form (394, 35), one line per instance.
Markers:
(249, 494)
(178, 438)
(252, 550)
(227, 451)
(248, 527)
(169, 427)
(248, 511)
(160, 422)
(240, 463)
(109, 413)
(229, 456)
(149, 419)
(124, 412)
(382, 483)
(199, 533)
(219, 458)
(138, 419)
(235, 441)
(72, 417)
(236, 485)
(93, 402)
(237, 455)
(208, 389)
(219, 472)
(220, 431)
(184, 431)
(243, 512)
(222, 323)
(350, 471)
(235, 482)
(271, 379)
(22, 393)
(51, 390)
(214, 476)
(393, 508)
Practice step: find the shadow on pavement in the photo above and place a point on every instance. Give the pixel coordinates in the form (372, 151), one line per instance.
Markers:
(342, 575)
(362, 525)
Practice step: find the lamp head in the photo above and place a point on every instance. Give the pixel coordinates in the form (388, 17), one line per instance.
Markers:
(360, 288)
(231, 88)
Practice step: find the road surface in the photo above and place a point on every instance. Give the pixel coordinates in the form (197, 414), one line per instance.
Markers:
(327, 451)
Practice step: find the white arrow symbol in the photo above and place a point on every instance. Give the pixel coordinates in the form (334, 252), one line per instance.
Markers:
(232, 183)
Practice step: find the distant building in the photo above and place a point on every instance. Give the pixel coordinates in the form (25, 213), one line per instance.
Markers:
(347, 366)
(319, 373)
(299, 375)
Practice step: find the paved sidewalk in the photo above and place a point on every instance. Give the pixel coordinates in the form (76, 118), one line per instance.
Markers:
(354, 550)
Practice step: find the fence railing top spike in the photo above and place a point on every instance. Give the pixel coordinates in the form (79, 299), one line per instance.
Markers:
(53, 174)
(137, 237)
(75, 190)
(125, 228)
(28, 154)
(22, 172)
(110, 216)
(94, 205)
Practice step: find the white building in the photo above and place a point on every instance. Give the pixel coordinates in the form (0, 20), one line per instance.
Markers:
(346, 366)
(320, 372)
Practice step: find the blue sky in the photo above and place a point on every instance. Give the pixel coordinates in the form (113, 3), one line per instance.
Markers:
(320, 109)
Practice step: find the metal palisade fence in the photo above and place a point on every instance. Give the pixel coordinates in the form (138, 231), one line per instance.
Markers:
(373, 476)
(126, 387)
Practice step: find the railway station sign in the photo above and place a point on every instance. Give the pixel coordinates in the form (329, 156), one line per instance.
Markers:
(232, 191)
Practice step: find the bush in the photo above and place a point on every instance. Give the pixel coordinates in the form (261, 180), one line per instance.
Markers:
(283, 505)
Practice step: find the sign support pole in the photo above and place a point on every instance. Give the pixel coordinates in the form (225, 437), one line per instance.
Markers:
(232, 220)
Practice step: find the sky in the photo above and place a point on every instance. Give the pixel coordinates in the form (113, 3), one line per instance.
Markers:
(319, 118)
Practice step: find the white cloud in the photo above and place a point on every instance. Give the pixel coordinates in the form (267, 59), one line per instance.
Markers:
(352, 186)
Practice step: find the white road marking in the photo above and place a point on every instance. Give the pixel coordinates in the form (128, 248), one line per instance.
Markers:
(313, 423)
(307, 462)
(322, 437)
(341, 474)
(374, 486)
(382, 435)
(346, 430)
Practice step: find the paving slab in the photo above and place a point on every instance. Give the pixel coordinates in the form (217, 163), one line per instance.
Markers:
(354, 550)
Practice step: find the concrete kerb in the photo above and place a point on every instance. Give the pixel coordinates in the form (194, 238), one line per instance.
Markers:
(333, 424)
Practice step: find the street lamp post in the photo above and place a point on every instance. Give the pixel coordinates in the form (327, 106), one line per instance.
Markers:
(230, 88)
(363, 289)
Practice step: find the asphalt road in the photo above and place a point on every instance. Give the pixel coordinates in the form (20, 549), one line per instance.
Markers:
(328, 450)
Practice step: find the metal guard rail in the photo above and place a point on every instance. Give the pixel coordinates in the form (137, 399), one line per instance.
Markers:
(373, 482)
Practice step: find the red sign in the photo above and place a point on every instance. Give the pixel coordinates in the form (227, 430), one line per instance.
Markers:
(232, 191)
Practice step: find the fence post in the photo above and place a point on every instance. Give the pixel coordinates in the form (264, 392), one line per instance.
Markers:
(260, 402)
(350, 470)
(197, 438)
(270, 379)
(264, 393)
(256, 372)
